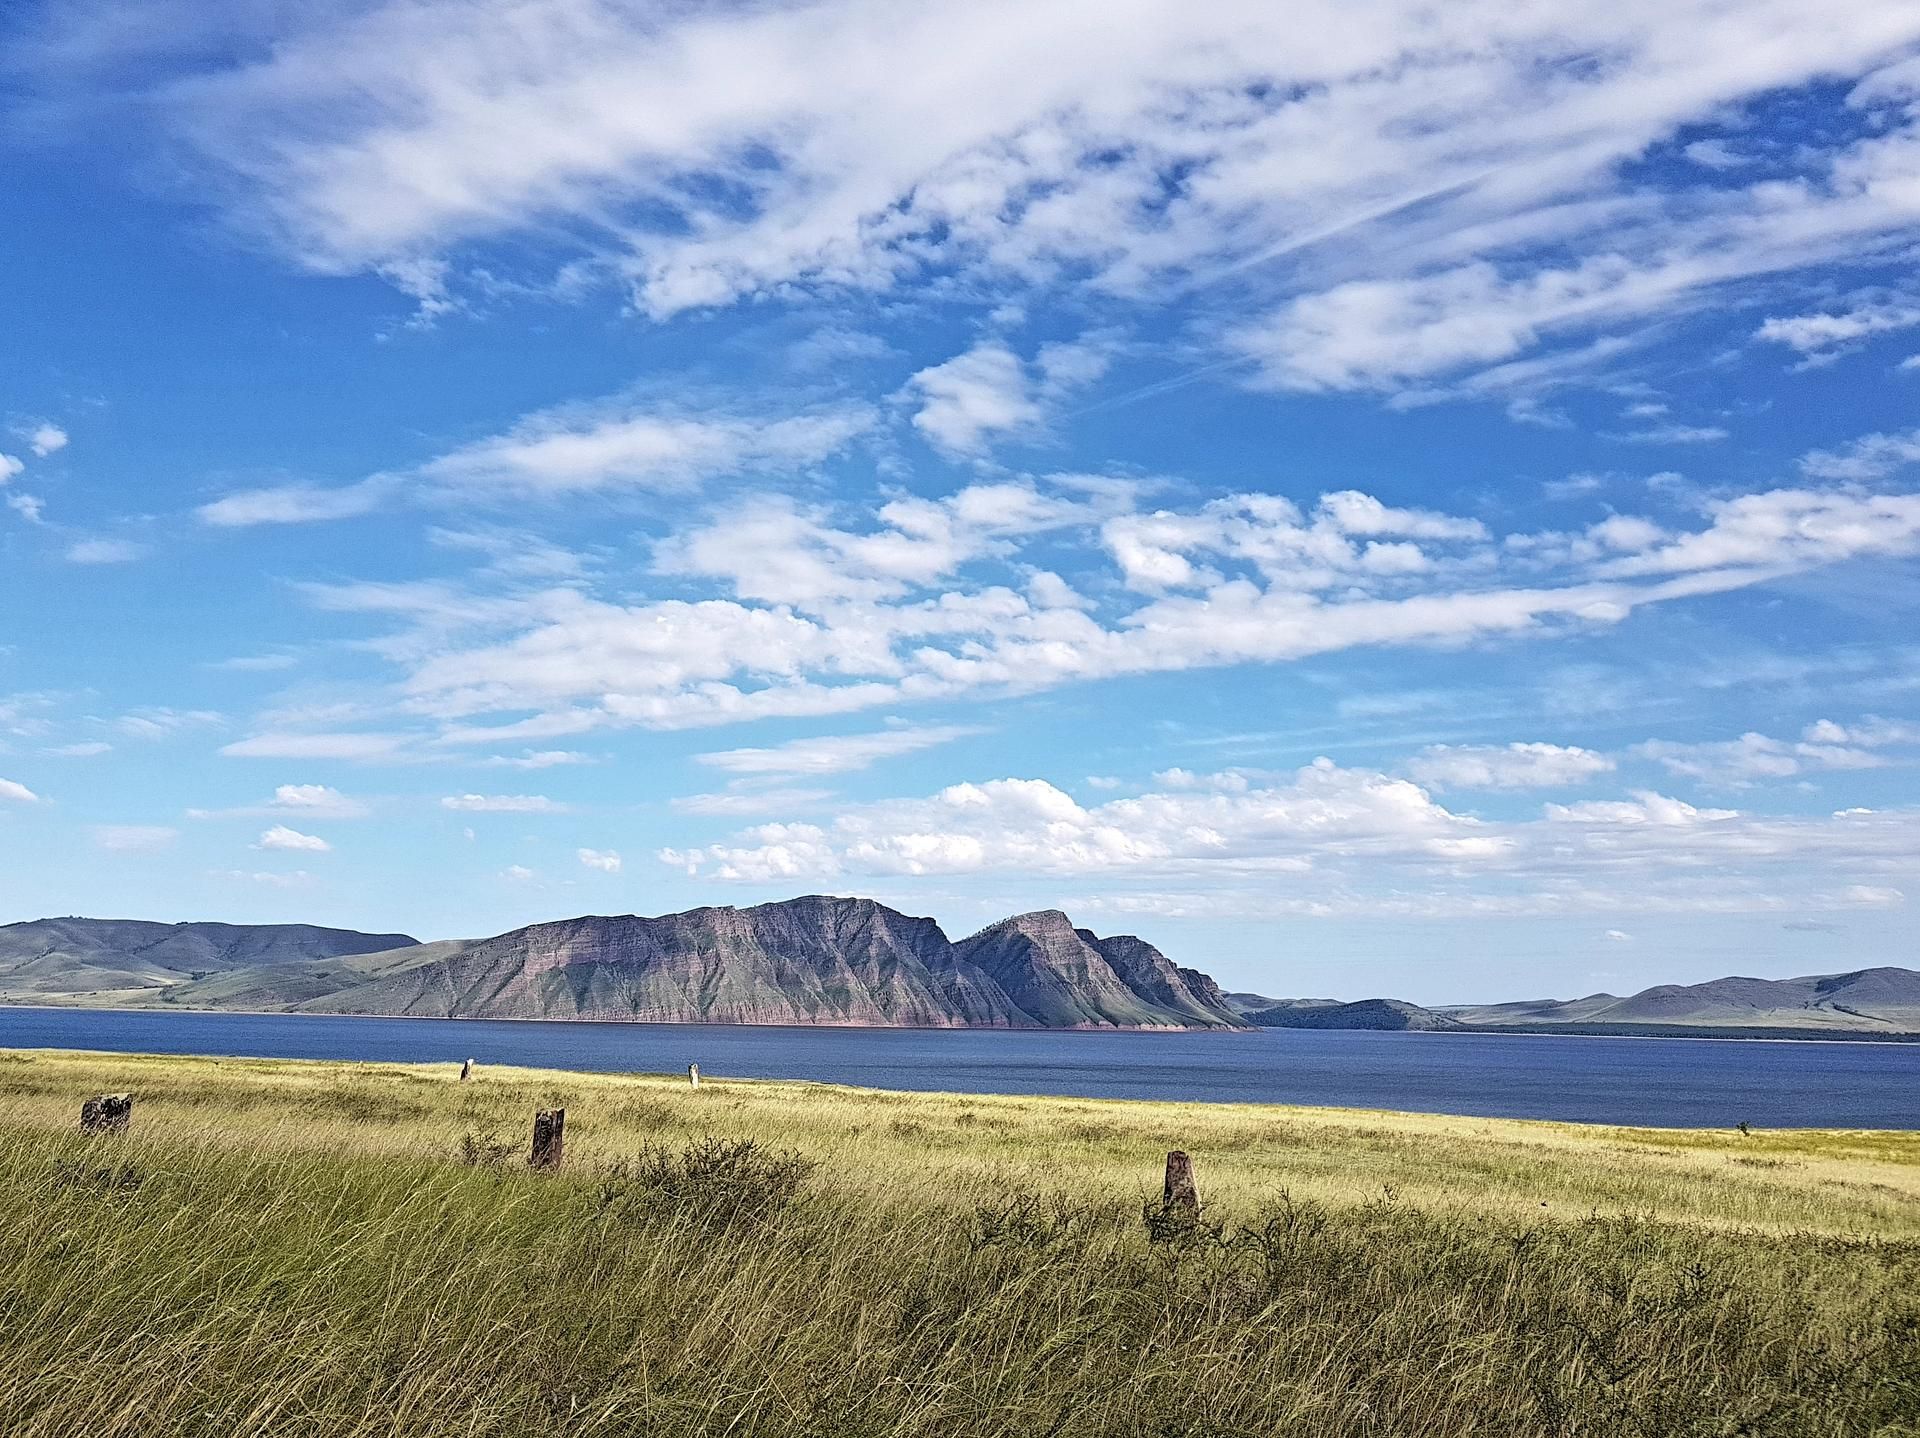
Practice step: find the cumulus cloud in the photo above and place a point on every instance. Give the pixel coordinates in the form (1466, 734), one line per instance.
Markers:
(989, 392)
(318, 800)
(293, 841)
(43, 437)
(1755, 757)
(1330, 840)
(17, 793)
(607, 861)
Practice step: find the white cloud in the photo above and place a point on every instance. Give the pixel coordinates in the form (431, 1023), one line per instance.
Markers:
(932, 600)
(29, 507)
(254, 663)
(1513, 766)
(1755, 757)
(286, 745)
(161, 722)
(989, 392)
(1824, 334)
(43, 438)
(17, 793)
(295, 504)
(769, 549)
(1785, 529)
(517, 873)
(1333, 841)
(307, 801)
(318, 800)
(1029, 825)
(1618, 936)
(292, 840)
(537, 759)
(502, 804)
(9, 467)
(104, 551)
(1871, 457)
(293, 879)
(87, 749)
(1737, 761)
(1402, 196)
(834, 753)
(742, 802)
(1875, 896)
(974, 397)
(607, 861)
(566, 452)
(1674, 434)
(133, 838)
(1645, 808)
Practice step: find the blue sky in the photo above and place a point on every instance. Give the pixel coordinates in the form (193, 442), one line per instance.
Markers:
(1373, 499)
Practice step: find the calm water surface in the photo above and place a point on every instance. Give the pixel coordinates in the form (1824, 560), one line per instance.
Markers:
(1663, 1082)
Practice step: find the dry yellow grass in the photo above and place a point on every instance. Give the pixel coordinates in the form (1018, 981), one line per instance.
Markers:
(283, 1248)
(928, 1148)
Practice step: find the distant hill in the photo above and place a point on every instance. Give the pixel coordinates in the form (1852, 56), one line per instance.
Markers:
(103, 960)
(1864, 1001)
(815, 960)
(1365, 1014)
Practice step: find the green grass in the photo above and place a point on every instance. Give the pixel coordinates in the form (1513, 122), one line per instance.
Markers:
(285, 1248)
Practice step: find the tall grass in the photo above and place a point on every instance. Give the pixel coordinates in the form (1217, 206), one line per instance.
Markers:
(309, 1249)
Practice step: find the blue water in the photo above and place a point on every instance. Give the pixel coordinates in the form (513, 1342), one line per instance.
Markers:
(1660, 1082)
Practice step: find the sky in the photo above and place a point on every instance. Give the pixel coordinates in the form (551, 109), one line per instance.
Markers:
(1375, 499)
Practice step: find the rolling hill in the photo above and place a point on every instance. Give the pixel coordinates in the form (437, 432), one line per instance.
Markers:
(70, 959)
(1883, 999)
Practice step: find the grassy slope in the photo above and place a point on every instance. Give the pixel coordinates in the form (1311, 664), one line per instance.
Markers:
(295, 1248)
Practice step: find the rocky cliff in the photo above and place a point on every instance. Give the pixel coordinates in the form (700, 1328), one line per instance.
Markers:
(814, 960)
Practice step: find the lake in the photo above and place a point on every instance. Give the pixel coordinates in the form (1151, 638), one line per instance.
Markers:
(1678, 1083)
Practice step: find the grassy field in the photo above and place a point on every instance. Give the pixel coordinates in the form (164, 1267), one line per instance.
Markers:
(292, 1248)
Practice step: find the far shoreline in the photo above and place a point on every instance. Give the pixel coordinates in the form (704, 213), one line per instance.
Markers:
(1545, 1032)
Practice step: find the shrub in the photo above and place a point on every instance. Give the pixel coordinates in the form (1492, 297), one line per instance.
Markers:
(714, 1182)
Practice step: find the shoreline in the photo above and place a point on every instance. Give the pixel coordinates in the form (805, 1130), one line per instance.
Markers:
(1570, 1031)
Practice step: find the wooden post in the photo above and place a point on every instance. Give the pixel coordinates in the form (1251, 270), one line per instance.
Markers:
(693, 1075)
(549, 1138)
(466, 1070)
(1181, 1194)
(109, 1113)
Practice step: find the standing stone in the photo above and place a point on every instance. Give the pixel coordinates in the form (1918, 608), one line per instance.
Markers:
(549, 1138)
(466, 1070)
(693, 1075)
(1181, 1194)
(109, 1113)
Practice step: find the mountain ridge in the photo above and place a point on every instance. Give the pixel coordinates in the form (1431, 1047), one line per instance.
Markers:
(817, 959)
